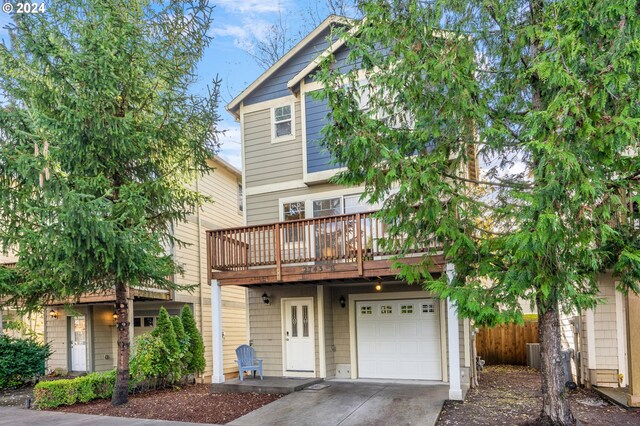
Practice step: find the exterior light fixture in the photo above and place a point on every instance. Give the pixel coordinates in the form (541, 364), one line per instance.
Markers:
(343, 302)
(53, 314)
(115, 315)
(378, 287)
(265, 299)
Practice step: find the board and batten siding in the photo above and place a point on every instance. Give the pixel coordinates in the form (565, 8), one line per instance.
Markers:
(266, 162)
(222, 186)
(318, 158)
(276, 85)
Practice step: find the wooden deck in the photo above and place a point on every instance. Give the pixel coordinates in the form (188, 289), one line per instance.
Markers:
(344, 247)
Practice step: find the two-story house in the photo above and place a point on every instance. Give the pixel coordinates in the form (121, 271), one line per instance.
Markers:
(324, 299)
(83, 338)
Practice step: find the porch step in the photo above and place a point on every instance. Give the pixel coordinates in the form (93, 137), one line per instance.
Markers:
(613, 395)
(275, 385)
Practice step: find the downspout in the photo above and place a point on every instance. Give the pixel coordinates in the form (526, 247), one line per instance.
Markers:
(199, 230)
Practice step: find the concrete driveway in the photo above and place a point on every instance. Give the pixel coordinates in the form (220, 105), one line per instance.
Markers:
(353, 403)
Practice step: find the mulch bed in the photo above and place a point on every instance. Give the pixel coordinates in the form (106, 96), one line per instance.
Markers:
(188, 404)
(510, 395)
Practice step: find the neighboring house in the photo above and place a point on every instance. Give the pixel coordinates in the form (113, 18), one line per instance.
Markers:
(323, 298)
(608, 341)
(83, 338)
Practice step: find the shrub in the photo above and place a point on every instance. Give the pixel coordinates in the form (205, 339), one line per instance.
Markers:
(183, 343)
(70, 391)
(197, 362)
(151, 361)
(21, 361)
(164, 330)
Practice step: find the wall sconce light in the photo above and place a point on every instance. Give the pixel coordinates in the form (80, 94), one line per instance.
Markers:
(378, 287)
(265, 299)
(115, 315)
(53, 314)
(343, 302)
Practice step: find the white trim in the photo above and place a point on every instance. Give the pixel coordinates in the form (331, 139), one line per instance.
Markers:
(455, 391)
(265, 105)
(322, 356)
(244, 167)
(323, 176)
(353, 298)
(443, 338)
(591, 338)
(467, 340)
(285, 372)
(284, 138)
(453, 337)
(275, 67)
(303, 133)
(311, 86)
(621, 334)
(275, 187)
(322, 195)
(216, 333)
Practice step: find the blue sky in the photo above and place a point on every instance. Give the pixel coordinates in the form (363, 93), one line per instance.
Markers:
(237, 26)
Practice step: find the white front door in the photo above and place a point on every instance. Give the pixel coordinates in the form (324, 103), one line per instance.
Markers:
(399, 339)
(78, 343)
(299, 335)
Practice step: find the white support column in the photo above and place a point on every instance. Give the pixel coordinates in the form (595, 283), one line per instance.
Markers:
(216, 332)
(322, 356)
(455, 391)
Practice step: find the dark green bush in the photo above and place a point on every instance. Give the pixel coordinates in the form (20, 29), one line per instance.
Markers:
(183, 343)
(21, 361)
(70, 391)
(197, 363)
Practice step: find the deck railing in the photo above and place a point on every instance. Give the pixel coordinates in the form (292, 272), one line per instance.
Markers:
(345, 238)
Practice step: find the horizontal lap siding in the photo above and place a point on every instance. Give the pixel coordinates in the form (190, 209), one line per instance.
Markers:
(103, 338)
(221, 186)
(264, 208)
(266, 162)
(57, 337)
(605, 326)
(266, 324)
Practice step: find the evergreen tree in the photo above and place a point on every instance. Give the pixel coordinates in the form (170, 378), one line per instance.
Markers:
(165, 331)
(549, 95)
(183, 341)
(99, 138)
(197, 362)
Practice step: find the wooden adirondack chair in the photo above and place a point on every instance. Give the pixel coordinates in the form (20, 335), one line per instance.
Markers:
(247, 362)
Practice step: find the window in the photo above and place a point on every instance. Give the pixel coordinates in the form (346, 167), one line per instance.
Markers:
(406, 309)
(136, 322)
(386, 309)
(328, 207)
(428, 308)
(148, 321)
(293, 211)
(366, 310)
(283, 128)
(240, 198)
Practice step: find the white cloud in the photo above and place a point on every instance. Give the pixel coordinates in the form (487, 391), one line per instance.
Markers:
(243, 36)
(255, 6)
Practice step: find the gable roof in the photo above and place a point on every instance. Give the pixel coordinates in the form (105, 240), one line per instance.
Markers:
(234, 105)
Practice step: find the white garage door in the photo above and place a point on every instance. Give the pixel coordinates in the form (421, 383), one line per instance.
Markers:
(399, 339)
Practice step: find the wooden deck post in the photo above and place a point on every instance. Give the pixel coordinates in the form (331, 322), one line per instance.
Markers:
(359, 244)
(278, 253)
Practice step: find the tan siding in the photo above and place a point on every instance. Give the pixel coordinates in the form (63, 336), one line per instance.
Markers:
(605, 326)
(266, 324)
(222, 186)
(329, 307)
(264, 208)
(57, 338)
(266, 162)
(103, 338)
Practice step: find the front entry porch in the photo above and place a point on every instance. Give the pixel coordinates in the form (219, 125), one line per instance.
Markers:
(273, 385)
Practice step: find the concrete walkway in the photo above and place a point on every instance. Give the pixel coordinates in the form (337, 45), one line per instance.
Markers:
(353, 403)
(20, 417)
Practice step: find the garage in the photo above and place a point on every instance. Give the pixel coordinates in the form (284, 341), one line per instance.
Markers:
(399, 339)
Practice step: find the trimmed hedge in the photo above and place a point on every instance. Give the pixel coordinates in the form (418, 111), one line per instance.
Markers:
(70, 391)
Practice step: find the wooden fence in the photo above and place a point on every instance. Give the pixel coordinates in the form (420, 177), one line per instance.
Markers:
(506, 344)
